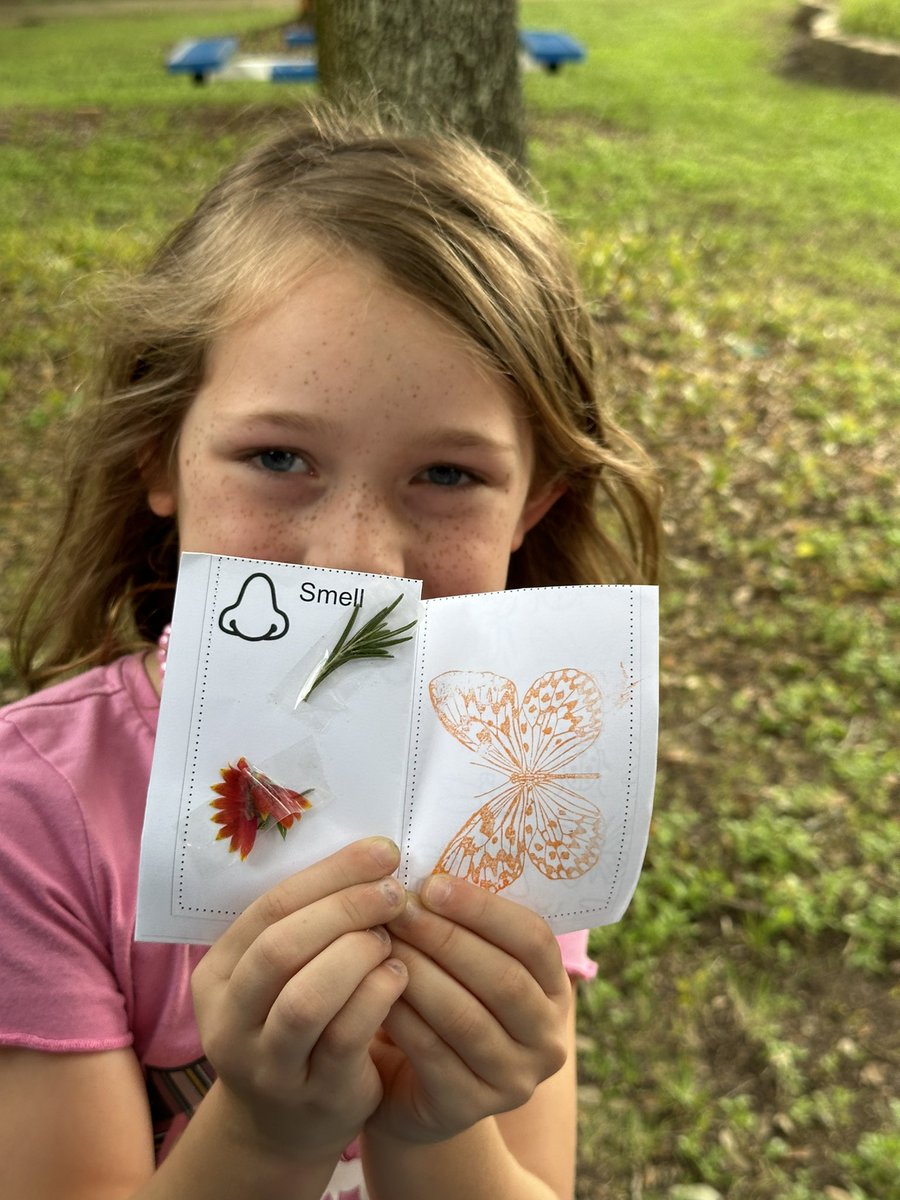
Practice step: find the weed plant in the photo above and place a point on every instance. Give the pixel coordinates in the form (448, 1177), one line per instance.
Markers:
(738, 232)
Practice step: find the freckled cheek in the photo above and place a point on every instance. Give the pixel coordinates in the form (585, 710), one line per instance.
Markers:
(270, 534)
(215, 518)
(461, 559)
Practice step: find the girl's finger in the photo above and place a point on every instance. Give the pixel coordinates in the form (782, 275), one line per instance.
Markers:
(360, 862)
(451, 1096)
(319, 995)
(462, 1023)
(290, 946)
(349, 1035)
(499, 981)
(509, 926)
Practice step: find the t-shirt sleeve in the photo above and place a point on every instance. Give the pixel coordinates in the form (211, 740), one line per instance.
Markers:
(59, 989)
(574, 947)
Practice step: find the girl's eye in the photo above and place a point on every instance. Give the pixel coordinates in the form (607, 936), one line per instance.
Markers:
(446, 475)
(281, 461)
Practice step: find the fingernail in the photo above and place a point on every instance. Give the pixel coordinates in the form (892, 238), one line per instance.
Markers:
(381, 933)
(412, 908)
(384, 851)
(392, 890)
(437, 891)
(396, 966)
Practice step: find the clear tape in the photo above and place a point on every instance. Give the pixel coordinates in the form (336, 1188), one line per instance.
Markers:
(341, 687)
(282, 789)
(250, 800)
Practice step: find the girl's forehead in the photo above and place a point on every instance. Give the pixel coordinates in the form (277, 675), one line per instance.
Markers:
(345, 343)
(347, 322)
(331, 298)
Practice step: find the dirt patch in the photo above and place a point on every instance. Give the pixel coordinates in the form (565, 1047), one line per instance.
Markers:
(821, 52)
(26, 125)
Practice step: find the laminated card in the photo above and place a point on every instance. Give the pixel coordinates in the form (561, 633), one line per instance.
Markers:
(509, 738)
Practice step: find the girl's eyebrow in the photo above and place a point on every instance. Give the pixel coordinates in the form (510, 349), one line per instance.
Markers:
(447, 437)
(463, 439)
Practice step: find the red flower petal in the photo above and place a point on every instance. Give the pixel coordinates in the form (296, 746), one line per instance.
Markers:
(248, 799)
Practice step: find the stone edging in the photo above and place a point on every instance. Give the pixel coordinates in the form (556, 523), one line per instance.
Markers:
(820, 52)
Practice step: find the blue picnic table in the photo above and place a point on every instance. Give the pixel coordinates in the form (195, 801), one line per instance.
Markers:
(551, 49)
(300, 35)
(203, 57)
(299, 72)
(199, 57)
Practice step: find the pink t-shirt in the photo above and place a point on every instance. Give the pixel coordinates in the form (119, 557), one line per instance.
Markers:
(75, 766)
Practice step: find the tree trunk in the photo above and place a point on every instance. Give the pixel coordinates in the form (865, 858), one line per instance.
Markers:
(453, 62)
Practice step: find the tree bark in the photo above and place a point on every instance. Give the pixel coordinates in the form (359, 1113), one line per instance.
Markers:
(454, 63)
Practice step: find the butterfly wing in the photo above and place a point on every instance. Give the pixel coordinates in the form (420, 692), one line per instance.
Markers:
(563, 831)
(489, 850)
(561, 716)
(479, 708)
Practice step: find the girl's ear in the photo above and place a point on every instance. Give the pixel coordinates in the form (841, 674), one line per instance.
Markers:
(536, 506)
(162, 493)
(162, 502)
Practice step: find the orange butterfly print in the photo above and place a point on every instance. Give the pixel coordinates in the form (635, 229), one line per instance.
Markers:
(532, 813)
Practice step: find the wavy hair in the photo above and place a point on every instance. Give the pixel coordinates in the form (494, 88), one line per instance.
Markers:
(449, 228)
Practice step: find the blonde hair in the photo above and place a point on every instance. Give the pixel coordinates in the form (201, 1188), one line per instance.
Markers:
(448, 227)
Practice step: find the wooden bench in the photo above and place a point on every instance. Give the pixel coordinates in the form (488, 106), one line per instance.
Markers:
(550, 50)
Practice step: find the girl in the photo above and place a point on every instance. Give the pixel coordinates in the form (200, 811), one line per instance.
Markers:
(362, 351)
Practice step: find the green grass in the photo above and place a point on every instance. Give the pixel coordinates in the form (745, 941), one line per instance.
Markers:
(690, 120)
(739, 233)
(871, 18)
(65, 63)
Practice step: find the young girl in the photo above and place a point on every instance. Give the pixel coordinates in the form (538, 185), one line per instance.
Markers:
(361, 351)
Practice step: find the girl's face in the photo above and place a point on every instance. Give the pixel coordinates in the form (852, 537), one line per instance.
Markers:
(349, 426)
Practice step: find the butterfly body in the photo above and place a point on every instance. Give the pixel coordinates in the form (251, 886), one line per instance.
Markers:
(532, 815)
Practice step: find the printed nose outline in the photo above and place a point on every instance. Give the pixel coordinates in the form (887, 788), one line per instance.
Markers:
(255, 615)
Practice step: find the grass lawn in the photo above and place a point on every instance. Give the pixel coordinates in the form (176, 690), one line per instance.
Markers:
(739, 233)
(871, 18)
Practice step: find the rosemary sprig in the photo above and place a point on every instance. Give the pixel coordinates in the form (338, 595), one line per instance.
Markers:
(372, 640)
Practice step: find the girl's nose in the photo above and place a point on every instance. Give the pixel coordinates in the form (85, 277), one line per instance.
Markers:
(361, 536)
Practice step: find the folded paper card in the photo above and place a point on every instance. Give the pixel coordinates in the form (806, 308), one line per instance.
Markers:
(508, 737)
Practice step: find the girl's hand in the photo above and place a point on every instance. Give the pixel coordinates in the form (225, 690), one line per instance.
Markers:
(483, 1020)
(291, 996)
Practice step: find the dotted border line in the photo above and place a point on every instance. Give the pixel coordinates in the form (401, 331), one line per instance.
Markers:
(184, 908)
(629, 782)
(198, 724)
(556, 587)
(196, 910)
(414, 771)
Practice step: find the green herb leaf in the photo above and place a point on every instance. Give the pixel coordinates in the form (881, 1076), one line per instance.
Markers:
(371, 640)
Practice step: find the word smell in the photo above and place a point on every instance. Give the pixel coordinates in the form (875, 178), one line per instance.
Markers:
(310, 594)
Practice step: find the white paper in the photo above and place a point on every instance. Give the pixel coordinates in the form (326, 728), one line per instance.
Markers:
(541, 793)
